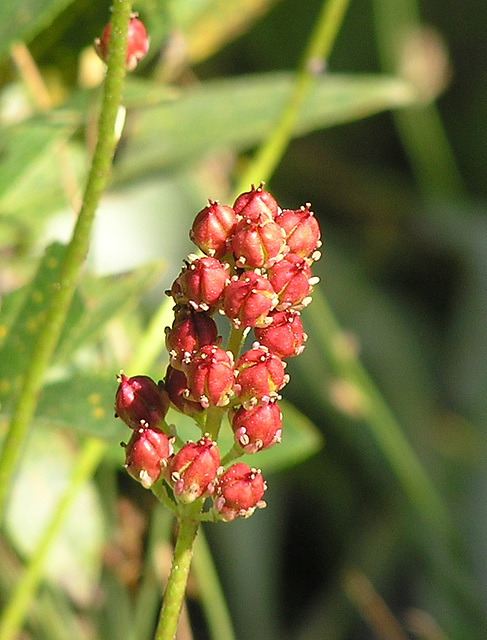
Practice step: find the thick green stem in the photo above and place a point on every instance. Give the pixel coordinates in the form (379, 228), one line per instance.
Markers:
(75, 254)
(178, 578)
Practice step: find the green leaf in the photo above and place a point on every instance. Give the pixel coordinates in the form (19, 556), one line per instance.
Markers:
(17, 346)
(239, 112)
(75, 560)
(85, 404)
(24, 19)
(99, 301)
(32, 167)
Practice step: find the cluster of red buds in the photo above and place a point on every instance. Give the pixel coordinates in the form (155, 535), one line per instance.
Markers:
(137, 43)
(255, 271)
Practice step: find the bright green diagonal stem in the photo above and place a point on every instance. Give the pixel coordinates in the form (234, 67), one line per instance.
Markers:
(75, 254)
(16, 608)
(313, 61)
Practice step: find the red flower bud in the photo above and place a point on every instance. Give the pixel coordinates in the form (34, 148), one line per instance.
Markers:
(291, 280)
(146, 454)
(212, 227)
(257, 428)
(284, 336)
(189, 332)
(210, 376)
(201, 283)
(301, 229)
(192, 471)
(177, 389)
(260, 375)
(139, 401)
(247, 300)
(256, 244)
(239, 492)
(257, 205)
(137, 43)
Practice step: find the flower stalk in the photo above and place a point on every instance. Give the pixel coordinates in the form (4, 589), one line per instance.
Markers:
(178, 578)
(74, 257)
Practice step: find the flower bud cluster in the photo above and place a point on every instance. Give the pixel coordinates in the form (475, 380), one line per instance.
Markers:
(255, 271)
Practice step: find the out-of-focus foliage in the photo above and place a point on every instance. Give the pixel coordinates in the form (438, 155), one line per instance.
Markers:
(379, 490)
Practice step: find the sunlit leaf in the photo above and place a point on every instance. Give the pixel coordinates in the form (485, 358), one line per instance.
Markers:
(237, 113)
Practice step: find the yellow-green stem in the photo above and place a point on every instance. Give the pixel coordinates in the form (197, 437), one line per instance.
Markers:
(17, 606)
(314, 60)
(178, 578)
(74, 257)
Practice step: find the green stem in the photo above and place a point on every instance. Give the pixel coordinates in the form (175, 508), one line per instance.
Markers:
(381, 422)
(313, 61)
(16, 608)
(178, 578)
(211, 592)
(421, 129)
(75, 254)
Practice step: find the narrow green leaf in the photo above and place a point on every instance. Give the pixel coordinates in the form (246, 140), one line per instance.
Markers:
(31, 167)
(238, 113)
(99, 301)
(18, 344)
(75, 560)
(85, 404)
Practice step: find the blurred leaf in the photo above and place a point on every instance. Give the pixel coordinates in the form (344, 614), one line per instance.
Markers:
(83, 403)
(74, 561)
(300, 440)
(23, 19)
(239, 112)
(207, 25)
(17, 346)
(32, 167)
(99, 301)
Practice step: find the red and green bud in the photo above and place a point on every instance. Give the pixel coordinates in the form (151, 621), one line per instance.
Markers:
(177, 389)
(210, 376)
(291, 280)
(190, 331)
(256, 205)
(239, 492)
(212, 227)
(284, 336)
(201, 283)
(146, 455)
(259, 427)
(193, 470)
(256, 244)
(248, 299)
(139, 401)
(259, 376)
(137, 43)
(301, 229)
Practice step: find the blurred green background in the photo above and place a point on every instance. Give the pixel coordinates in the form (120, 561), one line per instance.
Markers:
(354, 544)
